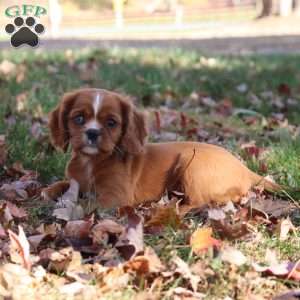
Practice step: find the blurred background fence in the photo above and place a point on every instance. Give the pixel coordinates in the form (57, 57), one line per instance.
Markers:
(159, 18)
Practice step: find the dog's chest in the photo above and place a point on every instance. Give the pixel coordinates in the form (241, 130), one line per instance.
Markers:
(85, 174)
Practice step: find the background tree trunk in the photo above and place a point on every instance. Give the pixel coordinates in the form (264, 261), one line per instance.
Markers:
(267, 6)
(296, 6)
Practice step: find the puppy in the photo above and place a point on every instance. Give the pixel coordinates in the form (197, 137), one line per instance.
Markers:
(111, 159)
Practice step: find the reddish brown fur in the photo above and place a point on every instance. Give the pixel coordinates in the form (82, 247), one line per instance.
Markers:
(126, 171)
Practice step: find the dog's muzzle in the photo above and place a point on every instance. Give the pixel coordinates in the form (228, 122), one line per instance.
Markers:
(92, 136)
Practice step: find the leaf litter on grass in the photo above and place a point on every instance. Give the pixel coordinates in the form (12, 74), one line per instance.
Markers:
(150, 249)
(111, 252)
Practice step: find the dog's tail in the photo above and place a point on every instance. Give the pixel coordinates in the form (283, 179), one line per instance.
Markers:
(265, 183)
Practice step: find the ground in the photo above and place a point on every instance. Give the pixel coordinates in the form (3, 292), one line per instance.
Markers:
(248, 104)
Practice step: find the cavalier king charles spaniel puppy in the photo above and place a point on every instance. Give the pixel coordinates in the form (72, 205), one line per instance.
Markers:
(111, 159)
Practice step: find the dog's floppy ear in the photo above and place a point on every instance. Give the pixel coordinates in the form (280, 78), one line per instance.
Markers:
(58, 120)
(134, 128)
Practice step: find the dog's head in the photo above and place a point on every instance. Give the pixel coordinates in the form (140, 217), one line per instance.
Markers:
(96, 121)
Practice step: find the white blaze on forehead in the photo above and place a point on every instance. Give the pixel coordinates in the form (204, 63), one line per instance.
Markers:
(97, 103)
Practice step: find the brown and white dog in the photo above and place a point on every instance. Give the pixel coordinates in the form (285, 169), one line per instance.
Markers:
(111, 158)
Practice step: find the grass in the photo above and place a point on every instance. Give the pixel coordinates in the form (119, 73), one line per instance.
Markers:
(148, 76)
(151, 77)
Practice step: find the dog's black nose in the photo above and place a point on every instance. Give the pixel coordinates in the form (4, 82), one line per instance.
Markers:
(92, 134)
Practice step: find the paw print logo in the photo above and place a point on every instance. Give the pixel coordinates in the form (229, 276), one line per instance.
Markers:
(24, 33)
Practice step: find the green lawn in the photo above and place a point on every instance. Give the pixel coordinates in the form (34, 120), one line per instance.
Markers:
(150, 76)
(264, 92)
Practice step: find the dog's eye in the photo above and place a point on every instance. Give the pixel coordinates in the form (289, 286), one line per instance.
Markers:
(79, 120)
(111, 123)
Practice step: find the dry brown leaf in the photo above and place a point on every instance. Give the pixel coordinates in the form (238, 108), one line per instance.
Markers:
(105, 227)
(202, 240)
(78, 229)
(272, 207)
(183, 269)
(5, 215)
(15, 281)
(284, 228)
(164, 216)
(72, 211)
(290, 295)
(110, 278)
(35, 240)
(233, 256)
(22, 101)
(147, 263)
(12, 192)
(230, 231)
(59, 261)
(7, 68)
(286, 269)
(2, 232)
(3, 150)
(16, 212)
(20, 249)
(21, 72)
(45, 255)
(71, 289)
(49, 229)
(131, 242)
(181, 293)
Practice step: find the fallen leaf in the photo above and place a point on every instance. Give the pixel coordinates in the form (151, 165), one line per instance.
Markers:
(102, 229)
(5, 215)
(16, 212)
(131, 242)
(164, 216)
(110, 278)
(35, 241)
(275, 208)
(202, 240)
(60, 260)
(224, 107)
(252, 151)
(2, 232)
(72, 289)
(19, 248)
(16, 280)
(233, 256)
(72, 211)
(286, 269)
(147, 263)
(7, 68)
(49, 229)
(228, 230)
(78, 229)
(22, 101)
(181, 293)
(290, 295)
(45, 255)
(284, 228)
(284, 89)
(183, 269)
(3, 150)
